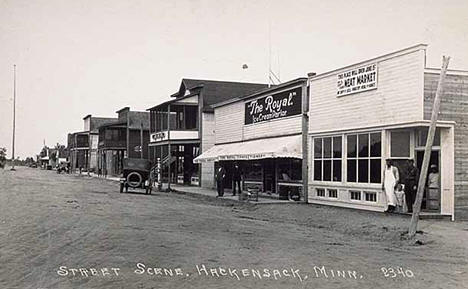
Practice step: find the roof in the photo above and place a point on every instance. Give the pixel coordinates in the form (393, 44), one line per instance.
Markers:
(214, 91)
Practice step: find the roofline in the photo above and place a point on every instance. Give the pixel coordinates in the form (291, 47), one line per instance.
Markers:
(449, 71)
(89, 115)
(262, 91)
(122, 109)
(172, 100)
(378, 58)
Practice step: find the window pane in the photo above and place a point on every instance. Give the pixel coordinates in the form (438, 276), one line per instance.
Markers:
(400, 144)
(337, 171)
(376, 145)
(351, 168)
(363, 144)
(375, 171)
(296, 169)
(352, 142)
(337, 147)
(318, 148)
(327, 147)
(422, 137)
(317, 170)
(327, 170)
(363, 171)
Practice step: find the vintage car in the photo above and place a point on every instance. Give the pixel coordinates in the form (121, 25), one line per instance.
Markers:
(136, 174)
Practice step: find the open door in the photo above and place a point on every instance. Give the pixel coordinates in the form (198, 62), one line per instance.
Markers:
(431, 200)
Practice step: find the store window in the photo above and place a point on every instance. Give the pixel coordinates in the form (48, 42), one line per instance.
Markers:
(327, 159)
(422, 137)
(364, 157)
(289, 170)
(252, 171)
(400, 144)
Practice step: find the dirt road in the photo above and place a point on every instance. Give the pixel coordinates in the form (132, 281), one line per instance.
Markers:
(64, 231)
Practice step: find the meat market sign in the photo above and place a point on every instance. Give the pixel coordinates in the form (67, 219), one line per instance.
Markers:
(357, 80)
(283, 104)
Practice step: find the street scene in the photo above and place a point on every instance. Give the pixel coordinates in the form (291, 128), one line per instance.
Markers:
(56, 229)
(233, 144)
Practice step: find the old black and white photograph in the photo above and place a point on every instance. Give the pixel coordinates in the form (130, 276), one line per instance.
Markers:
(233, 144)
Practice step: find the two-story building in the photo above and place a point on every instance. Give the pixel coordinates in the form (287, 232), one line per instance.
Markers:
(378, 109)
(127, 136)
(183, 127)
(262, 132)
(82, 146)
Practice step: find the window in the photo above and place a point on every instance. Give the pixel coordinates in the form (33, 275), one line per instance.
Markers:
(332, 193)
(320, 192)
(364, 157)
(327, 159)
(400, 144)
(422, 137)
(355, 195)
(289, 169)
(370, 196)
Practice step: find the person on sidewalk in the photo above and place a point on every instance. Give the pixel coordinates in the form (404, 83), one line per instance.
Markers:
(236, 178)
(411, 184)
(220, 175)
(391, 179)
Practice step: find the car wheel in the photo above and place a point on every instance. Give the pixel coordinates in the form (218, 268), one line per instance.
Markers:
(134, 179)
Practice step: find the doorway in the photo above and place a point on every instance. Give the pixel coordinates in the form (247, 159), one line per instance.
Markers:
(431, 200)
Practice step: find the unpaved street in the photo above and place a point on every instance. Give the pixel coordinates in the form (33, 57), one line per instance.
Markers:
(65, 231)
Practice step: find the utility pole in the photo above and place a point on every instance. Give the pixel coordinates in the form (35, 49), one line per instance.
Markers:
(14, 119)
(141, 140)
(428, 148)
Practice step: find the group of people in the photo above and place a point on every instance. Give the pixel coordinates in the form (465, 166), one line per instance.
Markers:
(236, 178)
(403, 197)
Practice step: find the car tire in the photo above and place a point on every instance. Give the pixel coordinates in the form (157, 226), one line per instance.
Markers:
(134, 184)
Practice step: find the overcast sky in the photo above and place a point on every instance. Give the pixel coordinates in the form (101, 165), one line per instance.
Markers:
(94, 57)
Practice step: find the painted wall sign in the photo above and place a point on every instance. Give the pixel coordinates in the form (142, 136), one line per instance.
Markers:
(283, 104)
(158, 136)
(357, 80)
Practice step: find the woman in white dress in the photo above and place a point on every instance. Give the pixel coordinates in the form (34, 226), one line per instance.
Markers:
(390, 181)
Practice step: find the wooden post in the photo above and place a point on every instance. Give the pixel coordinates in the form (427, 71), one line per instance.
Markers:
(169, 146)
(305, 132)
(141, 140)
(428, 148)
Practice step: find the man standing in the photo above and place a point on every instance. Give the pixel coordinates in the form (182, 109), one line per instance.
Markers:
(220, 175)
(389, 184)
(236, 177)
(411, 184)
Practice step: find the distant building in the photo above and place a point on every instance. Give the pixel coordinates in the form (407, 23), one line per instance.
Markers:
(82, 146)
(126, 136)
(183, 127)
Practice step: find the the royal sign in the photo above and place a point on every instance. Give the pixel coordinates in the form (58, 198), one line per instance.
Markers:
(357, 80)
(279, 105)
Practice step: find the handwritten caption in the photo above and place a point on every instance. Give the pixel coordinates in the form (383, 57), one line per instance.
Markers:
(201, 270)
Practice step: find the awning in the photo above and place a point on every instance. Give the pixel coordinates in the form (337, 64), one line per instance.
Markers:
(280, 147)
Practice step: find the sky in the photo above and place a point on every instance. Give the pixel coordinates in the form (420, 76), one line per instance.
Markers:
(80, 57)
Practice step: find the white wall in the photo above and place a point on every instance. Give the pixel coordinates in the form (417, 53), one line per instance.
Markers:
(398, 97)
(208, 141)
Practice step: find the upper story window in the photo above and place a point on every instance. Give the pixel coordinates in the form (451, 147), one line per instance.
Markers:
(327, 158)
(364, 157)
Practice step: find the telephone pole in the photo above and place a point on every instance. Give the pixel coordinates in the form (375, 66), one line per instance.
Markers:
(14, 120)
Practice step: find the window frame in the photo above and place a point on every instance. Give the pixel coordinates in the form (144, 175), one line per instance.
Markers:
(368, 158)
(331, 158)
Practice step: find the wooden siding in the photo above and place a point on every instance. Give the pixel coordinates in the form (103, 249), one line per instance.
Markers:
(208, 140)
(273, 128)
(454, 107)
(229, 121)
(398, 97)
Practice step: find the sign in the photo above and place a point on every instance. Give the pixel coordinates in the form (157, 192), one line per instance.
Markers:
(357, 80)
(158, 136)
(283, 104)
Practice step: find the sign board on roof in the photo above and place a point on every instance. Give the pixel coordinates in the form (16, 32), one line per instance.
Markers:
(275, 106)
(357, 80)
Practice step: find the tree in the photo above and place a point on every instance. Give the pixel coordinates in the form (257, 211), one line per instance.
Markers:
(2, 157)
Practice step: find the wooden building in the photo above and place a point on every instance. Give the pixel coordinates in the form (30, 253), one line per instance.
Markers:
(82, 146)
(127, 136)
(183, 127)
(380, 108)
(262, 133)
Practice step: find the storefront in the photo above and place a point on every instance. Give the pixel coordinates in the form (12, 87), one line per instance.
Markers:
(363, 114)
(262, 134)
